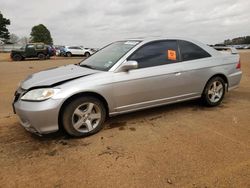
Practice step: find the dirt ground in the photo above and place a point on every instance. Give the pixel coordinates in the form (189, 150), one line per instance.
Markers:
(180, 145)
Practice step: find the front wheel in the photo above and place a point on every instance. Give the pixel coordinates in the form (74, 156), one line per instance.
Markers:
(83, 116)
(214, 91)
(17, 57)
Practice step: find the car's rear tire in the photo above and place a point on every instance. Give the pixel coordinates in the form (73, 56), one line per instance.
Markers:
(214, 91)
(41, 56)
(17, 57)
(87, 54)
(68, 54)
(83, 116)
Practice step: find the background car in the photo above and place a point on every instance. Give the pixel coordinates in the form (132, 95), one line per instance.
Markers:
(58, 50)
(239, 47)
(52, 51)
(77, 51)
(247, 47)
(32, 50)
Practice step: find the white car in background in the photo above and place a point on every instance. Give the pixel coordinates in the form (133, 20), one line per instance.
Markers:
(77, 50)
(247, 47)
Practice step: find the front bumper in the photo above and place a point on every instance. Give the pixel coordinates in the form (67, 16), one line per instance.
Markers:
(38, 117)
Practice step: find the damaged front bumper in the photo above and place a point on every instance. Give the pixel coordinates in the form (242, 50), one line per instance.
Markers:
(38, 117)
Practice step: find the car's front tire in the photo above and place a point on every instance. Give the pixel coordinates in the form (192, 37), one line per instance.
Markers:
(214, 91)
(83, 116)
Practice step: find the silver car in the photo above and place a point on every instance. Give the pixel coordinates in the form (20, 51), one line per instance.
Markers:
(122, 77)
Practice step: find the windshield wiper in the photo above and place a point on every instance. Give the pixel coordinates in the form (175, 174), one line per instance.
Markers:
(87, 66)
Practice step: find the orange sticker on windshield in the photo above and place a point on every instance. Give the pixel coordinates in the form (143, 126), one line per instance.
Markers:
(172, 55)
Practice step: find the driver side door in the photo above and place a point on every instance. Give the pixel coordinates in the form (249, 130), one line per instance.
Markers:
(154, 82)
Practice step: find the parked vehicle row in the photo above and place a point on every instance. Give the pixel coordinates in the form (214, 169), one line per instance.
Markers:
(42, 51)
(122, 77)
(241, 46)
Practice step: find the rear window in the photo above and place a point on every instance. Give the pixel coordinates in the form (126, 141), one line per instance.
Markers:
(190, 51)
(39, 46)
(30, 46)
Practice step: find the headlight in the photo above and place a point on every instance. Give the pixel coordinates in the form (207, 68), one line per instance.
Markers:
(39, 94)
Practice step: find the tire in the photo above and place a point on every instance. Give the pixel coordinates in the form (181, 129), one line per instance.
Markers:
(87, 54)
(68, 54)
(41, 56)
(83, 116)
(17, 57)
(214, 91)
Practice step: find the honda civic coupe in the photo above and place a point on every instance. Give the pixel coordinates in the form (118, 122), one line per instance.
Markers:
(125, 76)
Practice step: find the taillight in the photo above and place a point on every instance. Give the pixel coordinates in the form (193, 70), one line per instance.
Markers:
(238, 65)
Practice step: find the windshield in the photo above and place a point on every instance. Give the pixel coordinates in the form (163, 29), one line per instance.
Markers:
(109, 55)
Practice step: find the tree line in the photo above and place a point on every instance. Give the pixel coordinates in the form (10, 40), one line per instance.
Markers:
(39, 33)
(238, 40)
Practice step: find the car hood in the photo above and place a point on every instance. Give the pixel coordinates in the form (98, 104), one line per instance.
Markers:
(54, 76)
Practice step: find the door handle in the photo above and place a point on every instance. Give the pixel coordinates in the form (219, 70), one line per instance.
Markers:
(177, 73)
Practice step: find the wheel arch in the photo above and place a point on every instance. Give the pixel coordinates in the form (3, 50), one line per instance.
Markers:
(223, 76)
(81, 94)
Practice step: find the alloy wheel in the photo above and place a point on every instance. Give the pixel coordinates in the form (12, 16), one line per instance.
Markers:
(86, 117)
(215, 91)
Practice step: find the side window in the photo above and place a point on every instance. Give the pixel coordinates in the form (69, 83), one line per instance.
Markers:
(30, 46)
(39, 46)
(156, 53)
(190, 51)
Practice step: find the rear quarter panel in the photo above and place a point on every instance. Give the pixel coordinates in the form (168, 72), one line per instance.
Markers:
(201, 70)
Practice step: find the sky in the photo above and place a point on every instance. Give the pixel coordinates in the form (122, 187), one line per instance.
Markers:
(95, 23)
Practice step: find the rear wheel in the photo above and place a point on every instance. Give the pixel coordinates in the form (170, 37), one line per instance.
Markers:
(214, 91)
(87, 54)
(41, 56)
(17, 57)
(84, 116)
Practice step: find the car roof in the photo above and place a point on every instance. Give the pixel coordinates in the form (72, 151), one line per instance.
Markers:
(148, 39)
(144, 40)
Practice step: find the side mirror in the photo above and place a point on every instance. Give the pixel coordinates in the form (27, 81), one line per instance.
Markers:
(128, 65)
